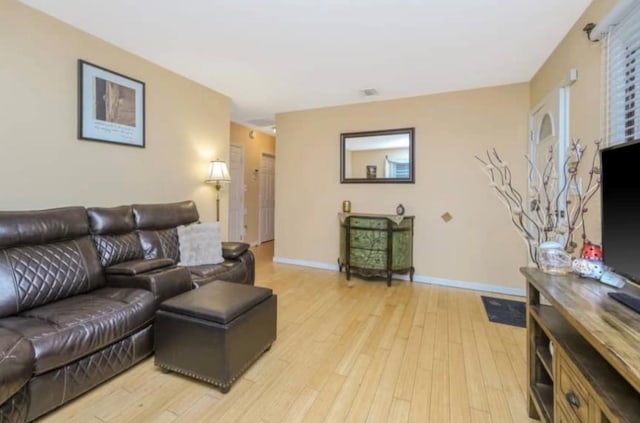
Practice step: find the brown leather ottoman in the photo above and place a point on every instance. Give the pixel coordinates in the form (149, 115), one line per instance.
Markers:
(215, 332)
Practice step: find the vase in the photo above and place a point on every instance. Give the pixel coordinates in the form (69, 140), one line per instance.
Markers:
(400, 210)
(553, 259)
(346, 206)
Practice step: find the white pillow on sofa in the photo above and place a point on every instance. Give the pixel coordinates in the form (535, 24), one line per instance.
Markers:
(200, 244)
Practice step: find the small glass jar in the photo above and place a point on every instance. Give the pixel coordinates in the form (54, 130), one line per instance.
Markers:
(553, 259)
(346, 206)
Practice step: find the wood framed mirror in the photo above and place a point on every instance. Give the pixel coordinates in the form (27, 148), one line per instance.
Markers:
(385, 157)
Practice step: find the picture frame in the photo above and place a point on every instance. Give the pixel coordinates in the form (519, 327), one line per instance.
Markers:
(372, 171)
(111, 106)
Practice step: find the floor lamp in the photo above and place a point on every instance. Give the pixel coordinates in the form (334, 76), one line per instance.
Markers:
(218, 173)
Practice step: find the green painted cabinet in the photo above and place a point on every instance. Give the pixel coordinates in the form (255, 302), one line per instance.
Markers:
(376, 245)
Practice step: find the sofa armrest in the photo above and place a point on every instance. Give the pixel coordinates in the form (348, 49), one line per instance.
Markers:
(233, 250)
(17, 360)
(136, 267)
(163, 283)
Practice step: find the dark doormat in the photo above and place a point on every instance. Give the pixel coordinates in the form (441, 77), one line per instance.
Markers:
(507, 312)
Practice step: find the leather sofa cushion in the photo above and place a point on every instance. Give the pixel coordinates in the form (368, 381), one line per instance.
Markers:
(16, 363)
(164, 216)
(111, 220)
(42, 226)
(164, 283)
(114, 249)
(35, 275)
(230, 271)
(210, 270)
(160, 244)
(218, 301)
(114, 234)
(66, 330)
(233, 250)
(136, 267)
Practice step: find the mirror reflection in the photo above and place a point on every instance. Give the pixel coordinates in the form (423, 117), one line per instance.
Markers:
(377, 156)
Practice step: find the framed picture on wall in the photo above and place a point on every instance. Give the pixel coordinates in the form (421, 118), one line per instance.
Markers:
(110, 106)
(372, 171)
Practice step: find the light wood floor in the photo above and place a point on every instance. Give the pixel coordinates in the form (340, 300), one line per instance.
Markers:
(412, 352)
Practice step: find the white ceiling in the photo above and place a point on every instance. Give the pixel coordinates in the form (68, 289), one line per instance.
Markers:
(283, 55)
(377, 142)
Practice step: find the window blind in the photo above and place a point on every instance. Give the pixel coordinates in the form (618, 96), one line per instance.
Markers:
(396, 167)
(623, 79)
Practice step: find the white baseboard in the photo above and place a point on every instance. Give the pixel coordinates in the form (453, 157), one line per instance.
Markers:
(305, 263)
(476, 286)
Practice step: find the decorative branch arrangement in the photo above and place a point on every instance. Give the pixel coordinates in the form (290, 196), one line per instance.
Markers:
(554, 208)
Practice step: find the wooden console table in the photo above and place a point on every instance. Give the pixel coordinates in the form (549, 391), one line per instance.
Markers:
(593, 375)
(376, 245)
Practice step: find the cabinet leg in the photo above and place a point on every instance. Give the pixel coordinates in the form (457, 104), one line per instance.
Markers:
(533, 413)
(340, 266)
(411, 272)
(348, 272)
(389, 278)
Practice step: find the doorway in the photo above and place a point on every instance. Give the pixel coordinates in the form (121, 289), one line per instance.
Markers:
(549, 131)
(236, 193)
(267, 198)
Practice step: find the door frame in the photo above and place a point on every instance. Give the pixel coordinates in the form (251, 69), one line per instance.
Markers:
(563, 129)
(564, 117)
(243, 186)
(262, 155)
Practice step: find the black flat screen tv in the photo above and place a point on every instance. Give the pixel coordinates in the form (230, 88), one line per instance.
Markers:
(620, 195)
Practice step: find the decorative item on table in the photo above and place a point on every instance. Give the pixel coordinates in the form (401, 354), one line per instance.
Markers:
(591, 251)
(400, 209)
(553, 258)
(550, 211)
(346, 206)
(590, 264)
(593, 269)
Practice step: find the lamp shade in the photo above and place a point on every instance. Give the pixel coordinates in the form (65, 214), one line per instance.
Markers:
(218, 172)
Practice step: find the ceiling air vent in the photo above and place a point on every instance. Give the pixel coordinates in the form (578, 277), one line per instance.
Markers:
(368, 92)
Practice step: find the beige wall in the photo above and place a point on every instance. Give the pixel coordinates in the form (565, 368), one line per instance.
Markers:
(360, 159)
(478, 245)
(253, 149)
(43, 164)
(586, 94)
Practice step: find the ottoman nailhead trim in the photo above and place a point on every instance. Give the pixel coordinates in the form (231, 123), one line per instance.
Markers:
(213, 381)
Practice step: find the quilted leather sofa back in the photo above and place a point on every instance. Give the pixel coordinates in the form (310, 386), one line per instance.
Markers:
(45, 256)
(157, 223)
(114, 234)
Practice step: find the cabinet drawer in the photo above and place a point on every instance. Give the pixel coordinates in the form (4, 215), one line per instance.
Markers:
(369, 259)
(364, 238)
(367, 222)
(562, 415)
(572, 394)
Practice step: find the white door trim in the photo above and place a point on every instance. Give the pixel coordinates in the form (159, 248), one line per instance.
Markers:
(562, 131)
(260, 194)
(238, 182)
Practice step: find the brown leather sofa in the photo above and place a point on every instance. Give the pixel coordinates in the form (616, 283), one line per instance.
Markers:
(78, 292)
(156, 226)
